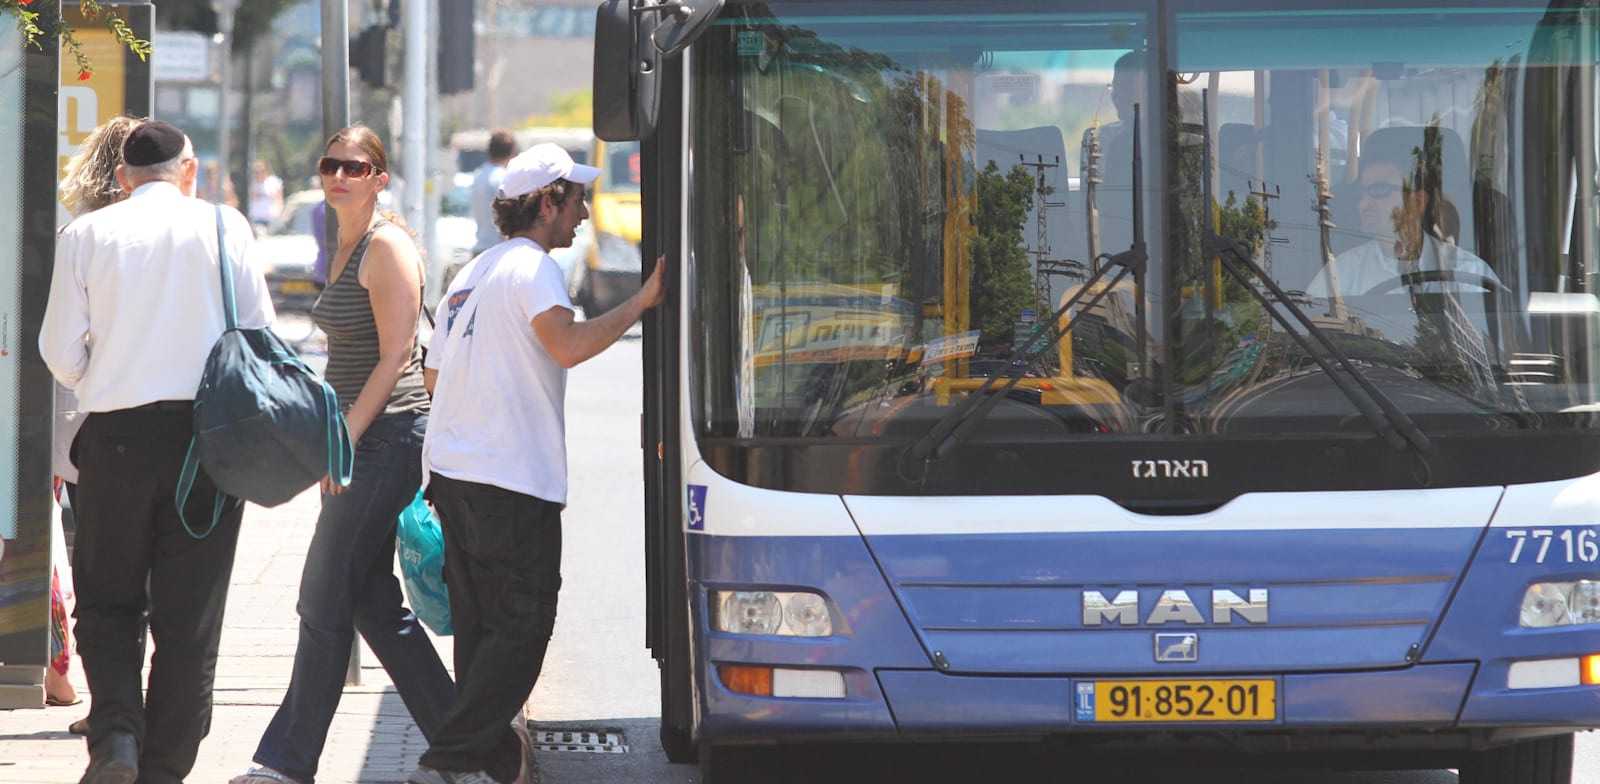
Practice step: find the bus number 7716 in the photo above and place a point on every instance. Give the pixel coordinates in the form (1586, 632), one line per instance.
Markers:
(1577, 546)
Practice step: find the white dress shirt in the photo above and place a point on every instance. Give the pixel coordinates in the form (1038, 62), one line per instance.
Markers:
(136, 298)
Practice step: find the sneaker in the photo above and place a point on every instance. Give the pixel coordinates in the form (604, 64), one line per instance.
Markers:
(427, 775)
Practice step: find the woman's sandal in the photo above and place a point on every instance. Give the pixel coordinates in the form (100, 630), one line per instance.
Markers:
(262, 776)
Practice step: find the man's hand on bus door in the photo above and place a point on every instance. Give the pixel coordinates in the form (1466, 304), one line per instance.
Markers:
(654, 289)
(570, 341)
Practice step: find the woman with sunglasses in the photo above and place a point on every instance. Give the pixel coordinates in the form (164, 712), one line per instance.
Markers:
(369, 310)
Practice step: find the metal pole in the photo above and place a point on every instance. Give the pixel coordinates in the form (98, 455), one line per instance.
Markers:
(224, 9)
(335, 88)
(413, 107)
(437, 258)
(335, 72)
(336, 115)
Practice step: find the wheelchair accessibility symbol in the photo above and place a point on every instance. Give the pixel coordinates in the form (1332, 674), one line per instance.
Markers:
(697, 507)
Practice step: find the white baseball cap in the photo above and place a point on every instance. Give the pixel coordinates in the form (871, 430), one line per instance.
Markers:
(540, 165)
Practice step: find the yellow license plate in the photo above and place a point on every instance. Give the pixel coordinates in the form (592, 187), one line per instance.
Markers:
(1180, 700)
(299, 287)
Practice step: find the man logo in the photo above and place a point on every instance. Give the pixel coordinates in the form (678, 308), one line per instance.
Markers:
(1177, 648)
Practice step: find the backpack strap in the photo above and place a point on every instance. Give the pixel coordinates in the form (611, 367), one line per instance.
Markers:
(191, 461)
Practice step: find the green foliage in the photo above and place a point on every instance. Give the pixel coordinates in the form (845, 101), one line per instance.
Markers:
(1001, 284)
(36, 24)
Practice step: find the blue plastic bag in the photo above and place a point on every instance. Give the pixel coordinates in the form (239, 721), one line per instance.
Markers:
(421, 546)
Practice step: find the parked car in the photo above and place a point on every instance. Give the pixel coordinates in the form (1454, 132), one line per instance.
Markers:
(287, 254)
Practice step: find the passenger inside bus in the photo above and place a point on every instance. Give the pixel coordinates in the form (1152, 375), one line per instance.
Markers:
(1108, 149)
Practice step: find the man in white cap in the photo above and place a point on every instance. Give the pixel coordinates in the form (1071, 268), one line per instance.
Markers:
(495, 454)
(135, 306)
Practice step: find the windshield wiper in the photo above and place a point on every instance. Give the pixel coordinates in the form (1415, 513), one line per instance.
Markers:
(958, 423)
(1386, 418)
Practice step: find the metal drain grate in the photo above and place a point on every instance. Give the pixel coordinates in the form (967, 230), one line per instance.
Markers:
(590, 741)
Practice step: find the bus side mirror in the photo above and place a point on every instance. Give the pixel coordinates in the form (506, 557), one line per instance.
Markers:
(629, 44)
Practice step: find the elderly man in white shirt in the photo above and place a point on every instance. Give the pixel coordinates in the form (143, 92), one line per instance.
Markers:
(135, 306)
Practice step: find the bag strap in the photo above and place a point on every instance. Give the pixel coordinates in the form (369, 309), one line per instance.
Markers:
(230, 314)
(191, 460)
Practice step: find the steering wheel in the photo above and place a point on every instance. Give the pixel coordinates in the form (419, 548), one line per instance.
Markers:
(1440, 276)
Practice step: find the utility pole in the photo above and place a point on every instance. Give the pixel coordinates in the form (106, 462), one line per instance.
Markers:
(1091, 180)
(1268, 240)
(413, 108)
(335, 116)
(1323, 209)
(225, 10)
(1043, 265)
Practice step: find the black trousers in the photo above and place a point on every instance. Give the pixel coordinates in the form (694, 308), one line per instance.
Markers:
(502, 564)
(132, 556)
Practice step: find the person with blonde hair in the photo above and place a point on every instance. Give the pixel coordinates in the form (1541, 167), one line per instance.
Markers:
(89, 183)
(370, 310)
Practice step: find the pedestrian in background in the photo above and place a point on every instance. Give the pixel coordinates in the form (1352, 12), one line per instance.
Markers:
(90, 182)
(135, 306)
(266, 195)
(369, 310)
(216, 187)
(496, 449)
(485, 184)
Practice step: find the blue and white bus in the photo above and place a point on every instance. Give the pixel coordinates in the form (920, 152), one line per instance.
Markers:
(1230, 379)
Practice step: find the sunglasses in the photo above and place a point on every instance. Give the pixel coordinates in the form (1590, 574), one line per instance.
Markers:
(1379, 190)
(355, 170)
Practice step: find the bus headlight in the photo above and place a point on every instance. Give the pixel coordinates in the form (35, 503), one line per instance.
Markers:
(1585, 602)
(807, 615)
(1560, 604)
(782, 613)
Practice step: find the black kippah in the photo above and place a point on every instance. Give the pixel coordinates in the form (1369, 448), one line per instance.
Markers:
(152, 143)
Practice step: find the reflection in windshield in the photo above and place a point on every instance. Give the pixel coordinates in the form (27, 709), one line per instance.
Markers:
(892, 205)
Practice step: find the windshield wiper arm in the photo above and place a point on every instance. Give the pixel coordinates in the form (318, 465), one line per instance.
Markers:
(1386, 418)
(959, 422)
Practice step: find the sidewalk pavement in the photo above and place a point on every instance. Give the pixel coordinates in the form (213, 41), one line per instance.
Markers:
(372, 739)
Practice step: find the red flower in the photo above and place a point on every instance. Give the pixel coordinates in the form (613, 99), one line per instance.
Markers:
(83, 76)
(25, 2)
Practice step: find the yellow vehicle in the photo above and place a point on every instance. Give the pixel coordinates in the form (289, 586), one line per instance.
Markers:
(611, 270)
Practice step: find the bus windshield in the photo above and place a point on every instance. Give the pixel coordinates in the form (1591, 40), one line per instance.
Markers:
(897, 207)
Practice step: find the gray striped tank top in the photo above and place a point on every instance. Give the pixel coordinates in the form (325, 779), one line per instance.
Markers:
(344, 313)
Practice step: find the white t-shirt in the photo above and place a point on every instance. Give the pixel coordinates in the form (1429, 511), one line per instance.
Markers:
(1373, 263)
(498, 413)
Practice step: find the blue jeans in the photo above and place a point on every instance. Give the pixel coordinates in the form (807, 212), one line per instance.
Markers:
(349, 585)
